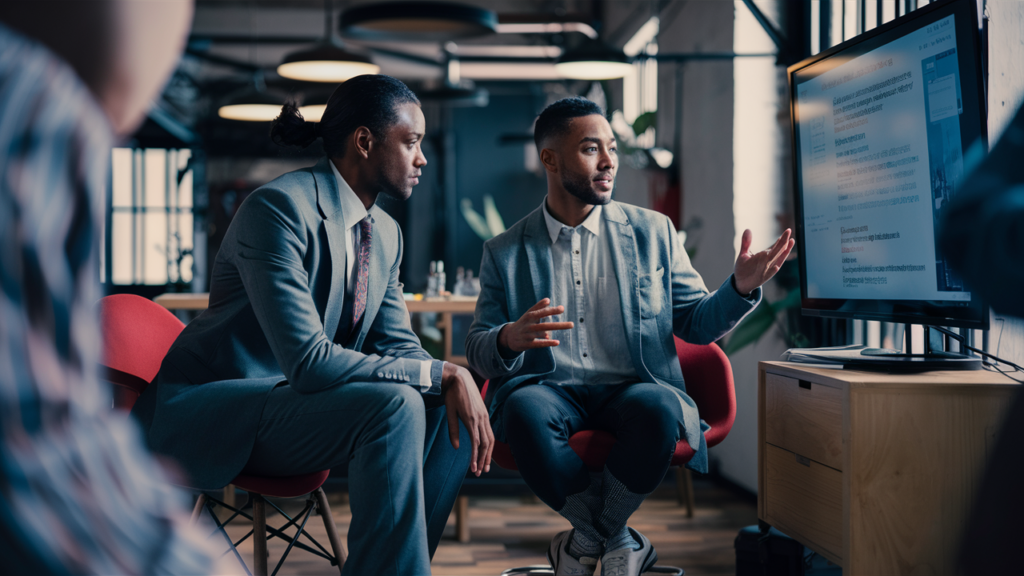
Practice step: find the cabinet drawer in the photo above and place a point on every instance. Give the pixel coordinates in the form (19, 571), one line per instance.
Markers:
(804, 418)
(804, 500)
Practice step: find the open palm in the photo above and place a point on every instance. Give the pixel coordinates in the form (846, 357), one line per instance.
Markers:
(753, 270)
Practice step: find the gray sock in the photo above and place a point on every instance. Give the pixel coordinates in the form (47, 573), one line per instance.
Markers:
(581, 546)
(619, 505)
(622, 540)
(581, 510)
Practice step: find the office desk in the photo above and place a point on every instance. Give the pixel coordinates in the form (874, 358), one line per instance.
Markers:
(876, 472)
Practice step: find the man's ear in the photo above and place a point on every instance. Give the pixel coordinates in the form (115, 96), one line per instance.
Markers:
(362, 141)
(549, 158)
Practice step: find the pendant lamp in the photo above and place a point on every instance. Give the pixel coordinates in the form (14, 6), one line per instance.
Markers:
(253, 104)
(327, 61)
(425, 21)
(593, 60)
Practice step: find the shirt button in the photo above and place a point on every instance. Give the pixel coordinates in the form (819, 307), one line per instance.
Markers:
(380, 374)
(581, 319)
(584, 354)
(577, 282)
(577, 251)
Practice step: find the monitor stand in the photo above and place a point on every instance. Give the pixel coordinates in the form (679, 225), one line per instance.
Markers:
(858, 357)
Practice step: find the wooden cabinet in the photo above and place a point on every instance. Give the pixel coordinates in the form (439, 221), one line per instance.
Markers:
(876, 472)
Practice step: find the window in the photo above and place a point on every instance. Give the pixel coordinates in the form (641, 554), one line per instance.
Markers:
(640, 86)
(149, 237)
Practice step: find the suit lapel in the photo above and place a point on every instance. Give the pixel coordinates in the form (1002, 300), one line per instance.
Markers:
(329, 205)
(624, 253)
(538, 252)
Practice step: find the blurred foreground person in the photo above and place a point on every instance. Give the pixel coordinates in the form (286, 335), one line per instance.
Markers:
(78, 492)
(983, 235)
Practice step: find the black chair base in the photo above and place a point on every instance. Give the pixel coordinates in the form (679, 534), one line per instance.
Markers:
(316, 504)
(545, 570)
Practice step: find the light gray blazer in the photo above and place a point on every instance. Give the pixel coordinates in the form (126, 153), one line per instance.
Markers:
(276, 298)
(659, 291)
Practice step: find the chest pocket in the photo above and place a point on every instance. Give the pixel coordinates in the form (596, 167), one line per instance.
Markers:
(652, 294)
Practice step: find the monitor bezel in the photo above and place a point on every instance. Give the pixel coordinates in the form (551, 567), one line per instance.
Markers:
(902, 311)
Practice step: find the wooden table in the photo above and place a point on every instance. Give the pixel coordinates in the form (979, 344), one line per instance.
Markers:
(876, 472)
(184, 300)
(445, 306)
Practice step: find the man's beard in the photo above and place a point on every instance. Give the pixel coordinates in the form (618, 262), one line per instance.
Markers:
(581, 187)
(390, 181)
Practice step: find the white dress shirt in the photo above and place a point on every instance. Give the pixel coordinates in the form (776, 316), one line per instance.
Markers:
(354, 212)
(584, 281)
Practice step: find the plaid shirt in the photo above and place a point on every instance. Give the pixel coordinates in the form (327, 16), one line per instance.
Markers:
(78, 492)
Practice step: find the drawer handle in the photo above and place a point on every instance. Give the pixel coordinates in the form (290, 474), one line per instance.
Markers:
(801, 460)
(806, 385)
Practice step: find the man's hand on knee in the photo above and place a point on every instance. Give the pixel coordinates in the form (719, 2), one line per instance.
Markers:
(463, 402)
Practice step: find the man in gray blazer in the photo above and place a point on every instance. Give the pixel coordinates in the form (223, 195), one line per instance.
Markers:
(615, 281)
(305, 359)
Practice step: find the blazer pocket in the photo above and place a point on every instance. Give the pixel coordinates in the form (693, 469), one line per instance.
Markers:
(652, 294)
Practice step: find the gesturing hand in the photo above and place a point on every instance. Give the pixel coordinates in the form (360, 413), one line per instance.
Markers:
(463, 402)
(529, 331)
(753, 270)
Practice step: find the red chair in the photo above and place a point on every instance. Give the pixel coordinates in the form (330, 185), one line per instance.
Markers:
(137, 333)
(709, 382)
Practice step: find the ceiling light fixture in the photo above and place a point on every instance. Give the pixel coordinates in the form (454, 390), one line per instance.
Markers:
(327, 61)
(593, 60)
(417, 21)
(253, 104)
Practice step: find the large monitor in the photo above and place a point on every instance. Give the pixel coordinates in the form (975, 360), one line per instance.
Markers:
(881, 125)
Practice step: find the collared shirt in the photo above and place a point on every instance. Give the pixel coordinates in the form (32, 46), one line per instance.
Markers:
(584, 282)
(353, 212)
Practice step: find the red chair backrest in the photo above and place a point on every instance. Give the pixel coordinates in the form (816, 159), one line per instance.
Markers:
(137, 333)
(708, 376)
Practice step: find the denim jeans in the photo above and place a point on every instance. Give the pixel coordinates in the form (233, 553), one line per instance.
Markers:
(645, 419)
(404, 475)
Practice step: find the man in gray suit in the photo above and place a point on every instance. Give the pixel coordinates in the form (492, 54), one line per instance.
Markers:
(616, 281)
(305, 359)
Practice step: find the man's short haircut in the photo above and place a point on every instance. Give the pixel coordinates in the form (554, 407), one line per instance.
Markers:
(555, 119)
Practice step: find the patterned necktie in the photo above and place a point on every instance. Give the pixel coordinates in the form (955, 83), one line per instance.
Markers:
(362, 271)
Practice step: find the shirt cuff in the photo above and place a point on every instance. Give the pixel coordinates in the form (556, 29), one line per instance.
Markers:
(507, 355)
(430, 376)
(754, 296)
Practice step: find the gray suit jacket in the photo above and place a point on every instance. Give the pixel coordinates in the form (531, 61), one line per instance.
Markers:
(276, 299)
(659, 291)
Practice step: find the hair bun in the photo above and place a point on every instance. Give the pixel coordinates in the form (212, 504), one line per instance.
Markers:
(291, 129)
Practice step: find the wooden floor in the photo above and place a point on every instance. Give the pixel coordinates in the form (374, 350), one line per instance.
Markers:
(516, 530)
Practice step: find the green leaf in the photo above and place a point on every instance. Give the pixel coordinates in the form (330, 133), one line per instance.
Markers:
(751, 328)
(790, 300)
(644, 121)
(494, 222)
(475, 220)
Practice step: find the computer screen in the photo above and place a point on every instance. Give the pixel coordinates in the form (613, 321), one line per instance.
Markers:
(881, 126)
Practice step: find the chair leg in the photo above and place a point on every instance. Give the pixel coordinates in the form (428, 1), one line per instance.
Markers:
(259, 534)
(332, 530)
(198, 510)
(684, 489)
(462, 519)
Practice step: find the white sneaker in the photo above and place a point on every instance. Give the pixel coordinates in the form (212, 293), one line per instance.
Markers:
(563, 563)
(628, 562)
